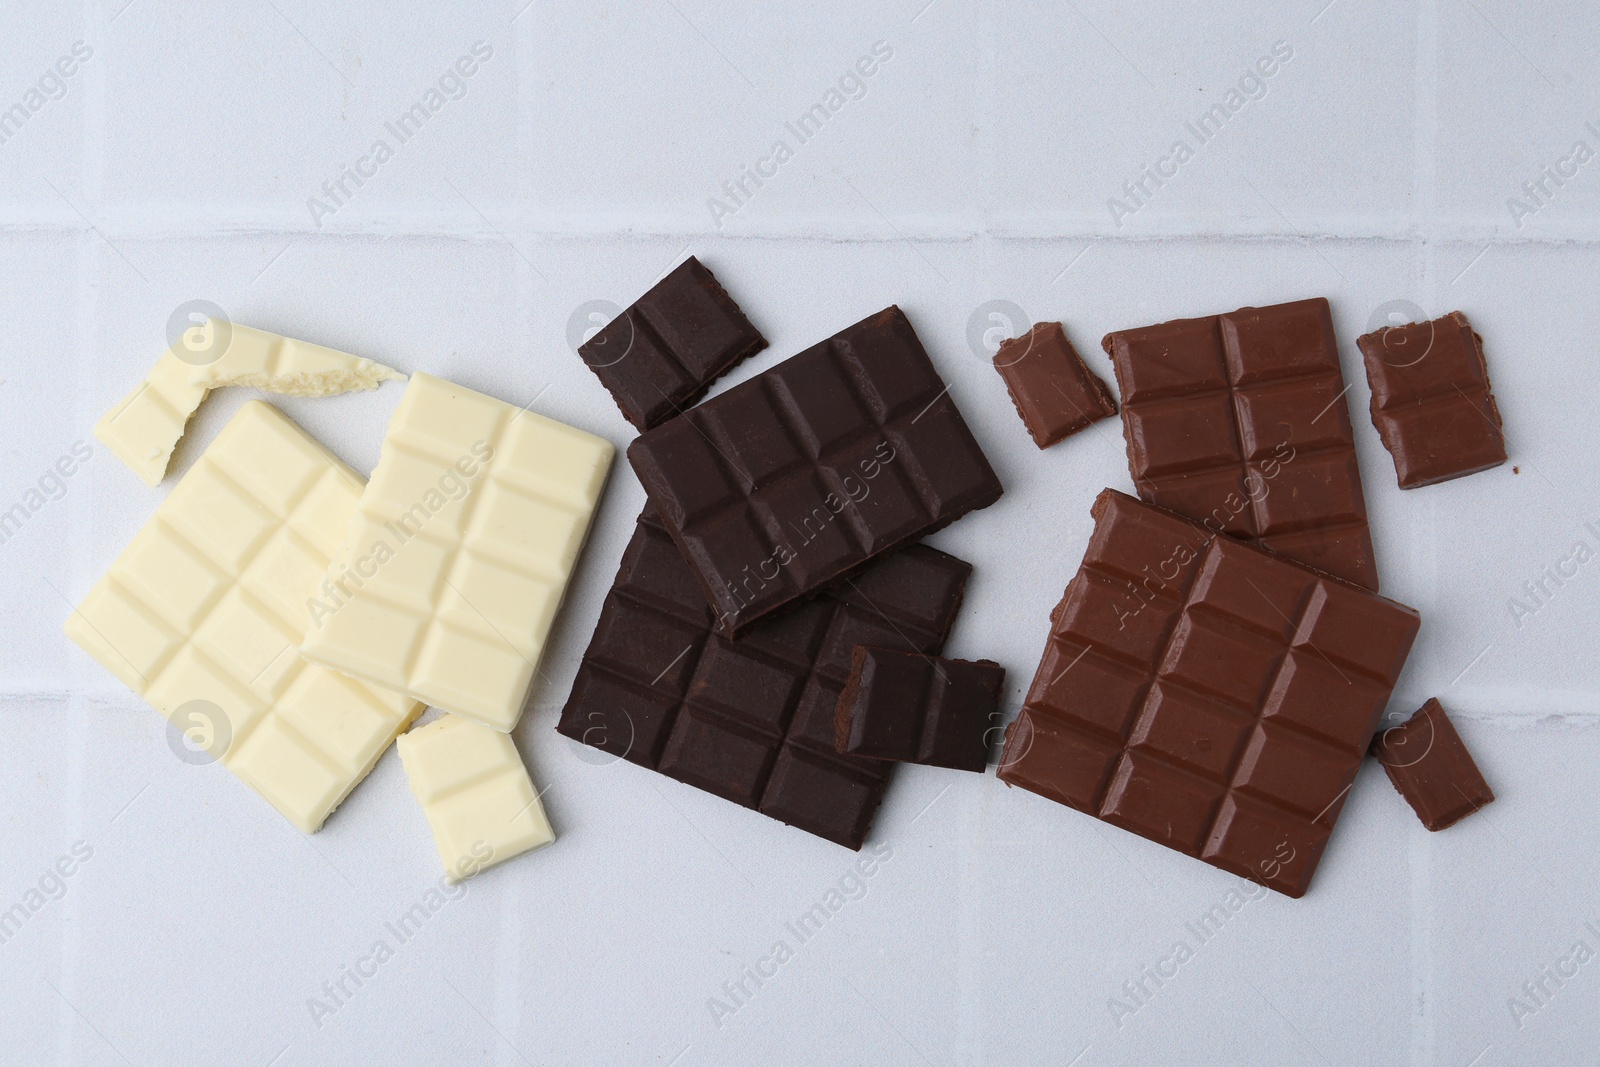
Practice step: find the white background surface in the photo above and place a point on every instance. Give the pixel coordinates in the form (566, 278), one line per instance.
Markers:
(977, 165)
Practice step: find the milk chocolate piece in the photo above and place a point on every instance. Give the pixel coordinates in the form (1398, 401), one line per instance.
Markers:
(752, 720)
(913, 708)
(1054, 391)
(1431, 401)
(1239, 420)
(1207, 695)
(1431, 767)
(789, 481)
(663, 353)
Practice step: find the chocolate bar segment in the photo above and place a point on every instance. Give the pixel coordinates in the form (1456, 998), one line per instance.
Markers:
(1054, 391)
(912, 708)
(752, 720)
(1239, 421)
(1207, 695)
(1431, 767)
(793, 479)
(663, 353)
(1431, 401)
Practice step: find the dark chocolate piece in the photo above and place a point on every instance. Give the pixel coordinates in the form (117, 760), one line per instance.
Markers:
(662, 354)
(913, 708)
(752, 720)
(1431, 767)
(1207, 695)
(791, 480)
(1054, 391)
(1239, 420)
(1431, 401)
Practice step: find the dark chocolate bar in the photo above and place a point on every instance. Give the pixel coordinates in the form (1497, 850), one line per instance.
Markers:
(1431, 401)
(913, 708)
(791, 480)
(1431, 767)
(752, 720)
(1207, 695)
(1240, 421)
(1054, 391)
(663, 353)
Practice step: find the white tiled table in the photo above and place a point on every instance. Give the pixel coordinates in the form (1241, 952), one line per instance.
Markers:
(976, 165)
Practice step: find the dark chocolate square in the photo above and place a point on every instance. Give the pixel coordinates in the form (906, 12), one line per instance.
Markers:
(912, 708)
(662, 354)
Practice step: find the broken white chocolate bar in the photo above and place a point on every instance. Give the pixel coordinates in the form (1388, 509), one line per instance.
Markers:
(460, 552)
(479, 800)
(202, 614)
(145, 427)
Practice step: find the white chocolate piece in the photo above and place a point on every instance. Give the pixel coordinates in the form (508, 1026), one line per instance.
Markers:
(209, 601)
(479, 800)
(460, 552)
(145, 427)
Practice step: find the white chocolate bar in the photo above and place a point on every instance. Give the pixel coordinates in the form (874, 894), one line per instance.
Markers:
(479, 800)
(460, 552)
(209, 603)
(145, 427)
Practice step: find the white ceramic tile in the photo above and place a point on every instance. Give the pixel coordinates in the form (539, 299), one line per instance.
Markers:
(975, 166)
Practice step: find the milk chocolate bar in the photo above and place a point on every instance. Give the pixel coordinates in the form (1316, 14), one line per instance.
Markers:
(1207, 695)
(1431, 767)
(1239, 420)
(1054, 391)
(1431, 401)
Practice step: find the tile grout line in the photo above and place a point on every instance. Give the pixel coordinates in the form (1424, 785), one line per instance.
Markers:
(1425, 127)
(507, 969)
(516, 219)
(87, 266)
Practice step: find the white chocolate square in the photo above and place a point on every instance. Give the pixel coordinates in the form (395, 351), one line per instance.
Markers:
(460, 552)
(474, 790)
(209, 601)
(146, 425)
